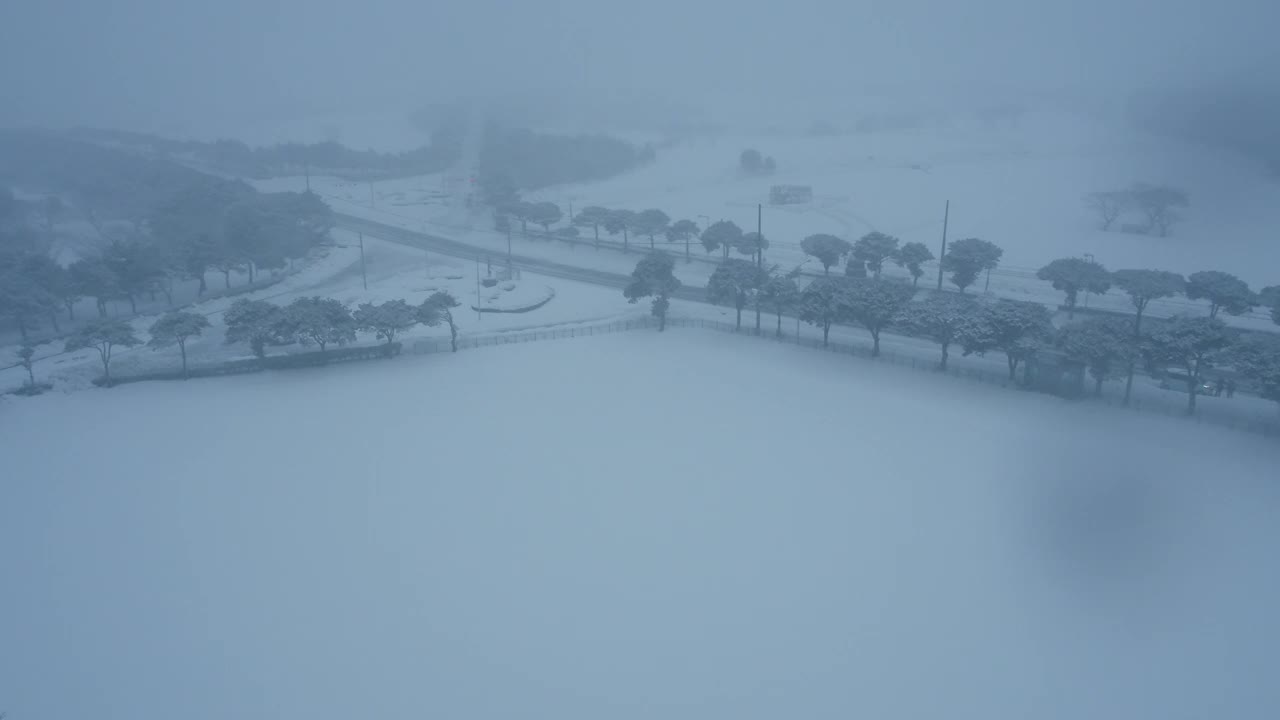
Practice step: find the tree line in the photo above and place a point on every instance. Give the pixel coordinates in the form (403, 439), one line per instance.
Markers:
(1107, 347)
(207, 224)
(259, 324)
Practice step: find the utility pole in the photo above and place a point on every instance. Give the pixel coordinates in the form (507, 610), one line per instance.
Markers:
(946, 215)
(759, 241)
(364, 278)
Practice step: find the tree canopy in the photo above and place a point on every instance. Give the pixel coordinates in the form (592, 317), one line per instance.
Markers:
(827, 249)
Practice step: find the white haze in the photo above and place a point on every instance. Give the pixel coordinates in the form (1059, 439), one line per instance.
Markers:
(234, 67)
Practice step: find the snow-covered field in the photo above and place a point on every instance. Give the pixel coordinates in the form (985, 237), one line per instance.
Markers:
(1021, 188)
(640, 525)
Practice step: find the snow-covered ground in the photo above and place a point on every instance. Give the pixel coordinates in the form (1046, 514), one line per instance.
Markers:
(1021, 188)
(680, 525)
(394, 272)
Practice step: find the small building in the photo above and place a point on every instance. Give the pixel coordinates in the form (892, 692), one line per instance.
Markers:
(790, 194)
(1052, 372)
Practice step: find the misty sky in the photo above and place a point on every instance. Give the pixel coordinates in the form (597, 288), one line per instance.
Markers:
(180, 66)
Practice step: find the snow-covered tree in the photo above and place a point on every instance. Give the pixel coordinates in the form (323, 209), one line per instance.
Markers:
(967, 258)
(873, 249)
(592, 216)
(1192, 345)
(944, 318)
(779, 294)
(824, 302)
(1013, 327)
(874, 304)
(545, 214)
(654, 277)
(651, 223)
(827, 249)
(911, 256)
(176, 328)
(255, 322)
(1104, 344)
(732, 283)
(26, 358)
(682, 231)
(439, 307)
(1143, 286)
(1073, 275)
(104, 336)
(323, 321)
(1224, 291)
(386, 319)
(620, 221)
(721, 235)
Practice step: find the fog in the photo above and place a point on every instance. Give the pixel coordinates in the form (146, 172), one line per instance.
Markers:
(233, 67)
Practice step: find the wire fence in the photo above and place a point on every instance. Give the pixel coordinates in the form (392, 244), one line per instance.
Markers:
(1211, 411)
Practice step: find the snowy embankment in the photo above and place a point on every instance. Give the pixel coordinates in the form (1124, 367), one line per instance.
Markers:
(533, 530)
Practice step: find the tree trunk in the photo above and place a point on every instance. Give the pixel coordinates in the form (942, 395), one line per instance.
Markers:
(757, 320)
(1071, 306)
(226, 278)
(650, 242)
(738, 325)
(826, 270)
(22, 326)
(946, 347)
(826, 332)
(102, 307)
(31, 374)
(106, 365)
(71, 309)
(1013, 367)
(53, 317)
(1097, 387)
(182, 346)
(915, 281)
(875, 343)
(133, 304)
(250, 272)
(1128, 384)
(778, 332)
(1191, 396)
(1213, 310)
(203, 286)
(687, 259)
(151, 292)
(625, 240)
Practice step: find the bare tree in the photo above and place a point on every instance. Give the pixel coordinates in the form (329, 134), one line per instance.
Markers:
(1107, 205)
(1158, 203)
